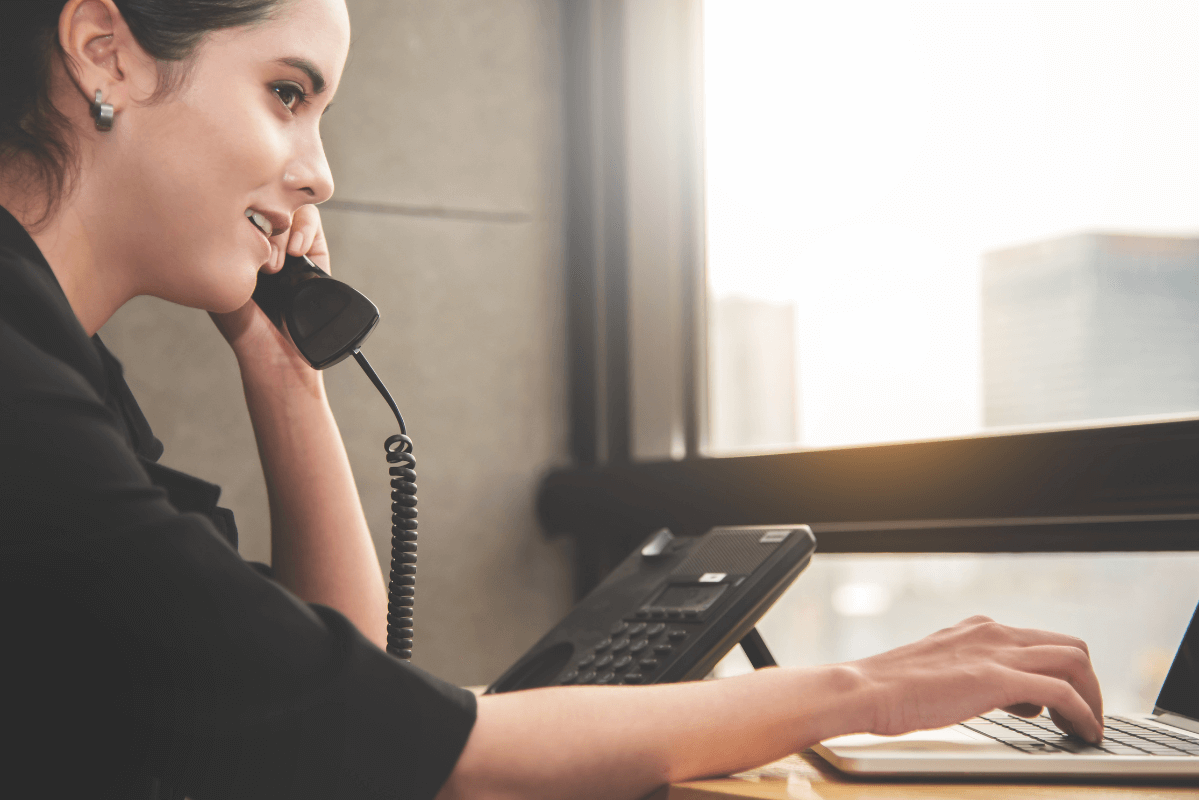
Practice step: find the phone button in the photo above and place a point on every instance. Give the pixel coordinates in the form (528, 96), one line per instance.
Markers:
(602, 644)
(569, 677)
(662, 649)
(648, 664)
(603, 661)
(655, 629)
(604, 677)
(619, 627)
(636, 628)
(622, 662)
(588, 676)
(619, 645)
(638, 646)
(589, 658)
(674, 613)
(632, 677)
(677, 635)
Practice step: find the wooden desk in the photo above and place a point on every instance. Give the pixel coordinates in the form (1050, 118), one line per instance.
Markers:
(809, 777)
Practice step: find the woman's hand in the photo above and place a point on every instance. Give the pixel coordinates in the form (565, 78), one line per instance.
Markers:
(977, 666)
(248, 330)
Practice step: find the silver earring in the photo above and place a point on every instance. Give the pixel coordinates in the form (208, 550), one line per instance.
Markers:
(103, 112)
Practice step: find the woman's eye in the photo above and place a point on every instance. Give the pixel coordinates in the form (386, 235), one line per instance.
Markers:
(291, 95)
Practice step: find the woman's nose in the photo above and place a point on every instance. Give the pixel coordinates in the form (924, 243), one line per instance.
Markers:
(309, 173)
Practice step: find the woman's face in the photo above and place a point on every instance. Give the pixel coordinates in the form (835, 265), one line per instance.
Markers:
(240, 134)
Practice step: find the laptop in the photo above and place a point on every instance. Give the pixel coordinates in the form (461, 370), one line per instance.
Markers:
(1157, 745)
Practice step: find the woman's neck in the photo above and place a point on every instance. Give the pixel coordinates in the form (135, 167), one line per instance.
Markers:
(80, 243)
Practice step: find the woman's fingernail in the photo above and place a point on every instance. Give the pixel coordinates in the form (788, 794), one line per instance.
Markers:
(295, 242)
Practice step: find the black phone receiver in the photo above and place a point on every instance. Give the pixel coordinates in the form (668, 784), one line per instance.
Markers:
(327, 319)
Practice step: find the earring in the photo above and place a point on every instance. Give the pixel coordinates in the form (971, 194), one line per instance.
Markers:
(103, 112)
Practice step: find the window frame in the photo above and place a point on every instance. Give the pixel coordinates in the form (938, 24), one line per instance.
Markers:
(632, 99)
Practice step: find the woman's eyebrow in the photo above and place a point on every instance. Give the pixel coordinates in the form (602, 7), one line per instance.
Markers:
(309, 69)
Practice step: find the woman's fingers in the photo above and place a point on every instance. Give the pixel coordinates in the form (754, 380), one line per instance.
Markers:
(1031, 637)
(1024, 710)
(1045, 653)
(1067, 663)
(307, 237)
(1067, 706)
(989, 628)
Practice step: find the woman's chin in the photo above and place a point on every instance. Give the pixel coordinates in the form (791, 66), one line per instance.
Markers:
(228, 296)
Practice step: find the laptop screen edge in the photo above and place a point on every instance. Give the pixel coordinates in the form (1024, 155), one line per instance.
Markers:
(1177, 700)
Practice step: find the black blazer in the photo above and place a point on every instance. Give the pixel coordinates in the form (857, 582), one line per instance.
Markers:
(142, 656)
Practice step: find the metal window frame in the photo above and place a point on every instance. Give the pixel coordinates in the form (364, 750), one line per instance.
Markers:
(1117, 488)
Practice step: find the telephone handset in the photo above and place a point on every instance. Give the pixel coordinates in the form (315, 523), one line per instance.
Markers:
(328, 321)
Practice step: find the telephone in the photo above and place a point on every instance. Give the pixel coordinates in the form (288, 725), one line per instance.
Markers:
(668, 613)
(328, 321)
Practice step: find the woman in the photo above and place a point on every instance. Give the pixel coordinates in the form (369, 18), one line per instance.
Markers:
(171, 147)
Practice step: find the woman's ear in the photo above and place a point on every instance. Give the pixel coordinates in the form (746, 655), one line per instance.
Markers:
(102, 54)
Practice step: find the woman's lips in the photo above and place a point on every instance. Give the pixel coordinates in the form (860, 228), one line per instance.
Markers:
(258, 220)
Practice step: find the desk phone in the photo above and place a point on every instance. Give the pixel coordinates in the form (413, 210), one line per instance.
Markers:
(670, 611)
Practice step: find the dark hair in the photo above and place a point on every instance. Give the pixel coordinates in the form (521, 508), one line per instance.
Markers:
(31, 127)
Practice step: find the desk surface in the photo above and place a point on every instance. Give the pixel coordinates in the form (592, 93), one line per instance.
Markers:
(809, 777)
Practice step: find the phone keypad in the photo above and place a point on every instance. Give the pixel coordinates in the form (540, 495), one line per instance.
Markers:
(633, 652)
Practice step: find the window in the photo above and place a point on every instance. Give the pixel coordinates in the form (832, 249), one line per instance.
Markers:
(931, 219)
(967, 225)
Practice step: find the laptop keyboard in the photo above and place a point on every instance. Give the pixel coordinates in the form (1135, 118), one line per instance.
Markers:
(1122, 737)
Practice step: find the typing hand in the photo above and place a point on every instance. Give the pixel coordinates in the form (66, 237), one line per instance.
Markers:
(977, 666)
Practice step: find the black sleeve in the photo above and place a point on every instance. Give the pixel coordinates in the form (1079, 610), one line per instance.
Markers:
(143, 654)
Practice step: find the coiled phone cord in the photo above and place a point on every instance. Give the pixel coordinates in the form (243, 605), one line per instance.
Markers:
(402, 581)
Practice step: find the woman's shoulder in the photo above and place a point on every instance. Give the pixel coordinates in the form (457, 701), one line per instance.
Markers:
(43, 348)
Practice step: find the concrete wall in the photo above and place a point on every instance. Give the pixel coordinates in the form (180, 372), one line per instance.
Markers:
(444, 146)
